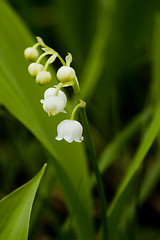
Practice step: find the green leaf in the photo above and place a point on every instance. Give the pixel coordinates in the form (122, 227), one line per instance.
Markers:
(119, 204)
(153, 173)
(21, 96)
(15, 210)
(121, 198)
(147, 188)
(112, 150)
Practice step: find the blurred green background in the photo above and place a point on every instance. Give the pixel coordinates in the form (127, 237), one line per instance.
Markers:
(114, 46)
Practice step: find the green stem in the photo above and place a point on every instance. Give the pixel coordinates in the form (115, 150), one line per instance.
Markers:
(36, 45)
(58, 87)
(61, 59)
(96, 171)
(74, 111)
(76, 90)
(93, 157)
(54, 52)
(41, 57)
(47, 64)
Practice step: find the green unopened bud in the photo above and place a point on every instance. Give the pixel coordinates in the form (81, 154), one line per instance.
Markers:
(68, 59)
(34, 69)
(31, 54)
(66, 74)
(43, 77)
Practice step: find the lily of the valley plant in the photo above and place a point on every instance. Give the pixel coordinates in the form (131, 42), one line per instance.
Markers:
(55, 99)
(55, 102)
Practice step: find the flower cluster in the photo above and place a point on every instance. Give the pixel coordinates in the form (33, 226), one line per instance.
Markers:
(55, 100)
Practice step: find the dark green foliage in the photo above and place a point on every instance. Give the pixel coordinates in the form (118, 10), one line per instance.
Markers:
(116, 54)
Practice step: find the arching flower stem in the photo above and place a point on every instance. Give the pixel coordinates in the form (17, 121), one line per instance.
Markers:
(36, 45)
(42, 56)
(74, 111)
(53, 52)
(60, 85)
(61, 59)
(47, 64)
(82, 104)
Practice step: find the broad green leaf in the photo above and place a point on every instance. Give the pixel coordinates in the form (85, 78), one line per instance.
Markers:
(15, 210)
(21, 96)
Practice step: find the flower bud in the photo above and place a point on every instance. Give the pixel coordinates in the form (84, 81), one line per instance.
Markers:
(70, 130)
(34, 69)
(31, 53)
(53, 105)
(43, 77)
(66, 74)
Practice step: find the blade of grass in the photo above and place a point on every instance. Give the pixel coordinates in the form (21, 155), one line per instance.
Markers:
(110, 153)
(153, 174)
(124, 189)
(113, 149)
(148, 185)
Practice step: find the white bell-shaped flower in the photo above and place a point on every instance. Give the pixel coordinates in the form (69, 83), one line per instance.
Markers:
(51, 92)
(70, 130)
(66, 74)
(43, 77)
(54, 104)
(35, 68)
(31, 53)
